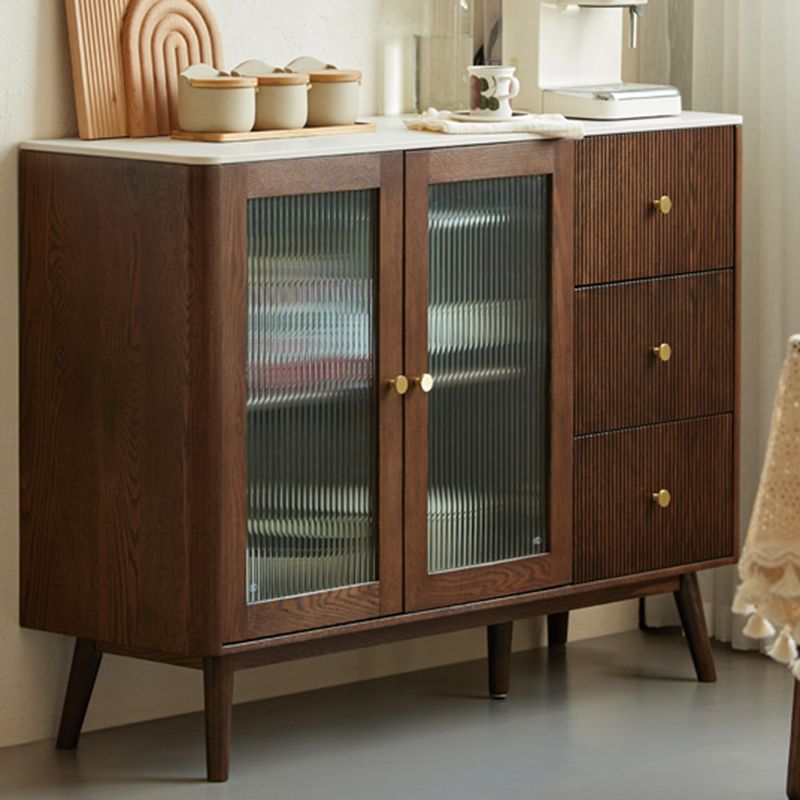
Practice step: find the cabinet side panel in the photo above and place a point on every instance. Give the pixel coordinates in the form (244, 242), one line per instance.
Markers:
(104, 354)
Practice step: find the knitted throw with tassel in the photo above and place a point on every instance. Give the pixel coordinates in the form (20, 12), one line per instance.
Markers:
(770, 564)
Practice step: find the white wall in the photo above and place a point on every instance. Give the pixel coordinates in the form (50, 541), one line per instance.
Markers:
(36, 102)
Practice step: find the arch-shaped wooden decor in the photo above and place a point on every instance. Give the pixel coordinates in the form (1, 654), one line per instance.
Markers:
(160, 38)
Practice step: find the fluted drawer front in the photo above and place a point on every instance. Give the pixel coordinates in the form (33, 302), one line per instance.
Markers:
(619, 234)
(620, 529)
(620, 379)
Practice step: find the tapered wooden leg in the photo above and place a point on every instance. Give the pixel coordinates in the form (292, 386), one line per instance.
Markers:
(793, 776)
(218, 686)
(498, 638)
(557, 629)
(690, 609)
(82, 675)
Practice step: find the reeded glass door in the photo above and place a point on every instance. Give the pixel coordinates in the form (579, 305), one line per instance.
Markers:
(482, 522)
(318, 478)
(312, 432)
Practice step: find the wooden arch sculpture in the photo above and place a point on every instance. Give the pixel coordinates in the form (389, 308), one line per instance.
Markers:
(160, 38)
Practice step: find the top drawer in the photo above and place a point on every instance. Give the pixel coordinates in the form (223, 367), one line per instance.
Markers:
(620, 234)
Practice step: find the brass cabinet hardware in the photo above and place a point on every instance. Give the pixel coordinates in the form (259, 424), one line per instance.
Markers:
(399, 384)
(425, 382)
(662, 497)
(663, 352)
(663, 204)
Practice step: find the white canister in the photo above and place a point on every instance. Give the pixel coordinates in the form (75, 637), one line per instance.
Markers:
(333, 99)
(282, 99)
(211, 101)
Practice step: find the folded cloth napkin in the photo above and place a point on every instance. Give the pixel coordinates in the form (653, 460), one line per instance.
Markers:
(550, 126)
(770, 564)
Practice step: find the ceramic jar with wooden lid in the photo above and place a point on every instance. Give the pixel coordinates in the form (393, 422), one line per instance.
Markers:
(211, 101)
(333, 98)
(282, 98)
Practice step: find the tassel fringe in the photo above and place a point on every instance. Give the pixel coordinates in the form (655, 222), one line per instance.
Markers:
(742, 605)
(784, 650)
(758, 628)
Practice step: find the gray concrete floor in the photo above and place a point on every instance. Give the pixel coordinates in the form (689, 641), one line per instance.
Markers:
(614, 718)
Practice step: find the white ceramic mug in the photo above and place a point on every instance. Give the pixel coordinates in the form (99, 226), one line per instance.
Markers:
(491, 90)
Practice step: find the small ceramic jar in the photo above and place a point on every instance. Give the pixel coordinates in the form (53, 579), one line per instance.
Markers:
(333, 98)
(211, 101)
(282, 99)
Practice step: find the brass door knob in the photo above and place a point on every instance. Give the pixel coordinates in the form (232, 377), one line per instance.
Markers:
(399, 384)
(663, 204)
(662, 498)
(425, 382)
(663, 352)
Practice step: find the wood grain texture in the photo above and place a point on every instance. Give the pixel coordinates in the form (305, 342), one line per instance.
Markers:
(693, 619)
(390, 364)
(737, 348)
(94, 28)
(160, 39)
(112, 392)
(307, 611)
(86, 660)
(218, 691)
(620, 530)
(619, 383)
(495, 161)
(218, 410)
(620, 235)
(309, 175)
(449, 618)
(134, 384)
(423, 169)
(498, 646)
(402, 626)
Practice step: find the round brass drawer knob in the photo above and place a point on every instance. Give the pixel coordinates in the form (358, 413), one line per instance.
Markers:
(425, 382)
(399, 384)
(663, 204)
(662, 498)
(663, 352)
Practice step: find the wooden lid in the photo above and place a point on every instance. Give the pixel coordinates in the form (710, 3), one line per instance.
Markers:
(224, 82)
(335, 76)
(283, 79)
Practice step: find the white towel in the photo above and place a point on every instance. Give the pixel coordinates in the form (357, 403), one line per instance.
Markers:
(549, 126)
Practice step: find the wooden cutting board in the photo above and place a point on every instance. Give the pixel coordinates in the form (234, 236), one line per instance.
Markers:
(94, 28)
(160, 38)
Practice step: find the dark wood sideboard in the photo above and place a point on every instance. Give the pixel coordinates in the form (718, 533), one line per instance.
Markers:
(284, 408)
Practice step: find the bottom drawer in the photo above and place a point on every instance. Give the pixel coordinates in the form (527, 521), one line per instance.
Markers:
(620, 528)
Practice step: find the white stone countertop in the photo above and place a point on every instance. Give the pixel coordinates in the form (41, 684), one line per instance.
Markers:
(391, 135)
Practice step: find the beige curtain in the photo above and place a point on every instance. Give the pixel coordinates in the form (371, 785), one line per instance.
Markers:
(745, 58)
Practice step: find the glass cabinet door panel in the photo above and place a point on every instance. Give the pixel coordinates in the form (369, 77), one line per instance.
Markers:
(488, 352)
(311, 401)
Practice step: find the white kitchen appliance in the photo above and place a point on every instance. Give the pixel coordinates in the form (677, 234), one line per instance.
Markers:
(568, 55)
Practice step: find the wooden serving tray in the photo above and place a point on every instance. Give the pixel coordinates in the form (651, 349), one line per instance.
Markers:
(254, 136)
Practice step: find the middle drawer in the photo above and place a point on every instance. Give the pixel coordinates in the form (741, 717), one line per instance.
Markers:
(653, 351)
